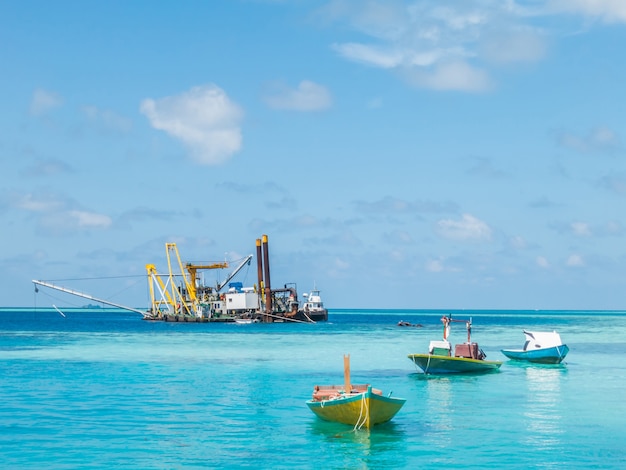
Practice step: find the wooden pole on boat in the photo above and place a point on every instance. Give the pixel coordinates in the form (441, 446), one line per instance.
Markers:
(346, 373)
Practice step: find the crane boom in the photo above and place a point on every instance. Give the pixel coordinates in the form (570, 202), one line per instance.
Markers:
(87, 296)
(245, 261)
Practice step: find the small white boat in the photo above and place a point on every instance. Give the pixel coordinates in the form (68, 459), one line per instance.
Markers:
(544, 347)
(313, 308)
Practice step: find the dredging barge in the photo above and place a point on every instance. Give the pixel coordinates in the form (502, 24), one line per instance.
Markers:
(182, 297)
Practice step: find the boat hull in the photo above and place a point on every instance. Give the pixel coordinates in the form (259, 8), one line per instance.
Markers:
(365, 409)
(553, 355)
(312, 316)
(434, 364)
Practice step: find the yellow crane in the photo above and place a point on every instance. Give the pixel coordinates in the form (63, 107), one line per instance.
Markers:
(192, 269)
(175, 300)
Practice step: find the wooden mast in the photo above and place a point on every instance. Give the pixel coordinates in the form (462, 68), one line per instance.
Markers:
(346, 373)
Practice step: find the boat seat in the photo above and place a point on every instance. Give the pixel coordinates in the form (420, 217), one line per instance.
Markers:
(327, 392)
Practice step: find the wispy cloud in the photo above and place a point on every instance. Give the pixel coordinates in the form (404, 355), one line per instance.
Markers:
(615, 182)
(204, 119)
(47, 167)
(542, 262)
(575, 261)
(107, 119)
(391, 205)
(57, 214)
(581, 229)
(454, 45)
(610, 11)
(89, 219)
(37, 203)
(441, 45)
(307, 96)
(466, 228)
(600, 139)
(484, 167)
(452, 75)
(43, 101)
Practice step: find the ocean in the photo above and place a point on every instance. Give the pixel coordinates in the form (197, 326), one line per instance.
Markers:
(101, 388)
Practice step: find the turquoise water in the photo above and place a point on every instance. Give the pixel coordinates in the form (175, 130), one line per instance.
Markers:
(101, 388)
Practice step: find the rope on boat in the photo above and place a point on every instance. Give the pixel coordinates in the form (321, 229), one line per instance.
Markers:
(359, 424)
(307, 317)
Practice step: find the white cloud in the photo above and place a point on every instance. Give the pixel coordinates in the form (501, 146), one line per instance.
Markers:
(340, 264)
(204, 119)
(575, 261)
(107, 119)
(518, 242)
(581, 229)
(90, 219)
(467, 228)
(440, 45)
(610, 11)
(521, 45)
(456, 75)
(613, 227)
(385, 58)
(452, 45)
(32, 203)
(434, 266)
(44, 101)
(59, 215)
(308, 96)
(440, 265)
(600, 139)
(542, 262)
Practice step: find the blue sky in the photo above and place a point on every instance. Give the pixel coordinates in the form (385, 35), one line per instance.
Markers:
(398, 154)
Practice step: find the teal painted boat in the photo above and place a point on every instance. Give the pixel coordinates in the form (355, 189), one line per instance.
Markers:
(541, 347)
(468, 358)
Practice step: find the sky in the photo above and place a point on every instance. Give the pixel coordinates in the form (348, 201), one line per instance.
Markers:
(397, 154)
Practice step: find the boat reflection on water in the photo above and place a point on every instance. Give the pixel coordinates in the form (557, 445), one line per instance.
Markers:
(358, 446)
(439, 396)
(544, 427)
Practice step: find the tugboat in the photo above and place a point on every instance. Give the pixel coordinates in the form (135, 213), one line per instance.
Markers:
(313, 309)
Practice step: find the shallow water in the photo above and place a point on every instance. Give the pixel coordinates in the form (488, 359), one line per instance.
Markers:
(102, 388)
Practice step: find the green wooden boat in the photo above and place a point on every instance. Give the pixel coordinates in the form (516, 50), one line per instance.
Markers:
(433, 364)
(468, 357)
